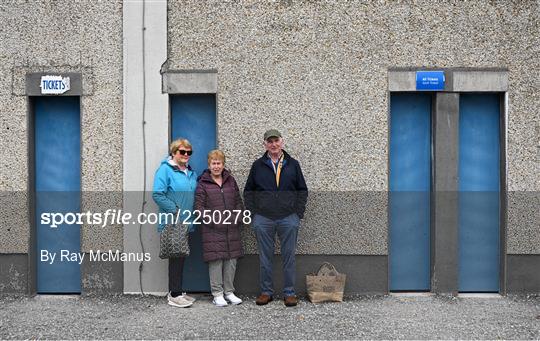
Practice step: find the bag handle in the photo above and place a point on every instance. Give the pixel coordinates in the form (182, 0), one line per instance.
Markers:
(329, 266)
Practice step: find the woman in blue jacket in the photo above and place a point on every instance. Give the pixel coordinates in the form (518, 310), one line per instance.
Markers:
(174, 189)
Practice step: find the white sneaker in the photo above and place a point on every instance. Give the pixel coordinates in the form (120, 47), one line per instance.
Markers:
(233, 299)
(178, 301)
(220, 301)
(189, 298)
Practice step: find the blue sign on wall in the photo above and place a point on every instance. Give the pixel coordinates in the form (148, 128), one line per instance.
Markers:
(430, 80)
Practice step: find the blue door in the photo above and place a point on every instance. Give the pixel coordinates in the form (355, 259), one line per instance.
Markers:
(410, 185)
(57, 184)
(194, 117)
(479, 185)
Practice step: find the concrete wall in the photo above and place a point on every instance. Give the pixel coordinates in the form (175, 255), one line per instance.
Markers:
(318, 72)
(143, 98)
(62, 36)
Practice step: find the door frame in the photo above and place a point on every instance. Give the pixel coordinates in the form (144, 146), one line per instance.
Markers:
(190, 82)
(503, 189)
(33, 90)
(459, 80)
(431, 184)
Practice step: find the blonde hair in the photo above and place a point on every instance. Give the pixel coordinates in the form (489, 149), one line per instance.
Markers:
(216, 154)
(175, 145)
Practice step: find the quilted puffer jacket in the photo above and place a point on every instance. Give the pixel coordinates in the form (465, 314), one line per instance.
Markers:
(219, 240)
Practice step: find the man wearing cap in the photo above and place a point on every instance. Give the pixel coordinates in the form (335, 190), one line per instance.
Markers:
(276, 194)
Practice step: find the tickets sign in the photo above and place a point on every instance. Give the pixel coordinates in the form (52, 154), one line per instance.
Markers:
(55, 85)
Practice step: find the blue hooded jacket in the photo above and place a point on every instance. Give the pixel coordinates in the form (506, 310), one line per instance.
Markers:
(174, 190)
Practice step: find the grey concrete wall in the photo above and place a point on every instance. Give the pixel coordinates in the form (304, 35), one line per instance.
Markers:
(523, 275)
(14, 273)
(82, 37)
(63, 36)
(136, 171)
(198, 82)
(318, 72)
(366, 275)
(445, 222)
(102, 277)
(456, 79)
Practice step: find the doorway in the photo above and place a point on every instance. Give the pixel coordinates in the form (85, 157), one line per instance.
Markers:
(193, 116)
(57, 185)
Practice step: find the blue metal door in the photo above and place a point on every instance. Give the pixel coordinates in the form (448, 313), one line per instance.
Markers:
(410, 184)
(57, 184)
(194, 117)
(479, 184)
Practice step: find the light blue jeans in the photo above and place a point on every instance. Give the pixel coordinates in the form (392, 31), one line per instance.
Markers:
(287, 231)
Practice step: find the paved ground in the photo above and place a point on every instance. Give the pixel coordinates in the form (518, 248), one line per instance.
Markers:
(381, 317)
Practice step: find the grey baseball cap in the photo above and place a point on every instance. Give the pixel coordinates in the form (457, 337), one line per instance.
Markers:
(271, 133)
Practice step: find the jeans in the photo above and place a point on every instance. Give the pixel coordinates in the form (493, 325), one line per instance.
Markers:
(221, 274)
(287, 231)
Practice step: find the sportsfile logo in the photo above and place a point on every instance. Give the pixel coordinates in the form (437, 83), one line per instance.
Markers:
(118, 217)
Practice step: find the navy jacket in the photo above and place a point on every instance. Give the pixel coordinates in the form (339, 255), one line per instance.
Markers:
(262, 195)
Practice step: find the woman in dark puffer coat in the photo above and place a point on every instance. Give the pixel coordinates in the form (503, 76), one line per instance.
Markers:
(218, 191)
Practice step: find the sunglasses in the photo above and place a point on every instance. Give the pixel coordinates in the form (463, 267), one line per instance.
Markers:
(184, 152)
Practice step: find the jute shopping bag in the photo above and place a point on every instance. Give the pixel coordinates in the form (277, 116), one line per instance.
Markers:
(326, 285)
